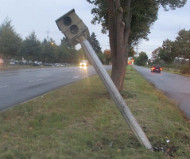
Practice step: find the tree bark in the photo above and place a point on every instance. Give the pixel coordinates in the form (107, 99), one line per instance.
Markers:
(119, 40)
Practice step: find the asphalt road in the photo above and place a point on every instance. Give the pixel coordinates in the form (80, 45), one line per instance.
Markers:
(17, 86)
(174, 86)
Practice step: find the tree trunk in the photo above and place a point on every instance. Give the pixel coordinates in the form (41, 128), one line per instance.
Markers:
(119, 37)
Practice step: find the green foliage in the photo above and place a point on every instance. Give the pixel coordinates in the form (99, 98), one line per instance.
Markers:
(178, 48)
(31, 47)
(96, 46)
(66, 43)
(101, 57)
(48, 51)
(155, 56)
(65, 54)
(62, 54)
(12, 46)
(131, 52)
(80, 55)
(142, 59)
(173, 4)
(10, 41)
(127, 21)
(182, 44)
(94, 43)
(100, 13)
(166, 53)
(143, 13)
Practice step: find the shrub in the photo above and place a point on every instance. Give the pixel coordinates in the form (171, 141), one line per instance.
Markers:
(185, 69)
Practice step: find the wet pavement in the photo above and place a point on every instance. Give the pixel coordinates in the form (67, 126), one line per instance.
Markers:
(174, 86)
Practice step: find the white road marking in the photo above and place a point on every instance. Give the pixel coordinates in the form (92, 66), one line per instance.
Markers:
(7, 74)
(4, 86)
(35, 80)
(76, 76)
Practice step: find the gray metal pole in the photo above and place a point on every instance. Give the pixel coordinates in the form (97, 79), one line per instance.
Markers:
(119, 101)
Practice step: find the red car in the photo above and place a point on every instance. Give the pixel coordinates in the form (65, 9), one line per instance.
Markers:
(156, 68)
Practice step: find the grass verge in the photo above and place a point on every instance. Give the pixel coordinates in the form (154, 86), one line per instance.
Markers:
(81, 121)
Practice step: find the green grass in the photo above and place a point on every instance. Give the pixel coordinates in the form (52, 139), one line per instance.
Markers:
(175, 71)
(80, 121)
(16, 67)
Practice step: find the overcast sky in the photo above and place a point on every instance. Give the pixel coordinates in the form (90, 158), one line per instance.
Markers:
(40, 16)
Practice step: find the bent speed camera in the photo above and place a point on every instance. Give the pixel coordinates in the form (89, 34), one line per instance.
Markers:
(72, 27)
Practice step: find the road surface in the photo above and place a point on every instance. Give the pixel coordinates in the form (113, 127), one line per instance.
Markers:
(174, 86)
(17, 86)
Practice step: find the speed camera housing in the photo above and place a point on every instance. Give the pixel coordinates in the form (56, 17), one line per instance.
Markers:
(72, 27)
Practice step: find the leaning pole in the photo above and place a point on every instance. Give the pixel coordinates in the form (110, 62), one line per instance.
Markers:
(76, 32)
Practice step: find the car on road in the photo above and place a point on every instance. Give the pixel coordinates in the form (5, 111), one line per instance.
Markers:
(156, 68)
(83, 63)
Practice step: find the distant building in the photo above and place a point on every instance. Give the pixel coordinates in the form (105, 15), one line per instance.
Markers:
(131, 61)
(1, 61)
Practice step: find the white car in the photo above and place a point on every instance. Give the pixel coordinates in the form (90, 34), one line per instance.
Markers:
(84, 63)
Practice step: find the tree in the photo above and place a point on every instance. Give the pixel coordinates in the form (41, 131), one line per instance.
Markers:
(31, 47)
(94, 43)
(80, 55)
(181, 45)
(48, 51)
(10, 41)
(66, 54)
(127, 21)
(131, 52)
(155, 56)
(96, 46)
(66, 43)
(166, 53)
(142, 59)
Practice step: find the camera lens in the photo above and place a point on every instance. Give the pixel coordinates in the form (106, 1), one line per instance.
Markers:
(67, 21)
(74, 29)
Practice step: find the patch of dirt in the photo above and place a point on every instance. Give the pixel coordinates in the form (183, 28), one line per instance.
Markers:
(168, 149)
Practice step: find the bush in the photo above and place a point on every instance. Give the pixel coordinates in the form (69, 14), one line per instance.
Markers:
(185, 69)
